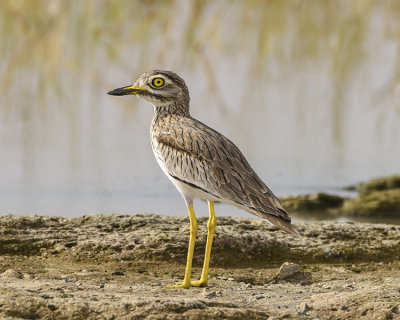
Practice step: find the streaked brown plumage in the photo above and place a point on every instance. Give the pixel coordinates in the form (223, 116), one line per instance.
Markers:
(201, 162)
(198, 155)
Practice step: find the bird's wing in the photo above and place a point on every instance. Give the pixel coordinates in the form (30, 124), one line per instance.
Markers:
(203, 158)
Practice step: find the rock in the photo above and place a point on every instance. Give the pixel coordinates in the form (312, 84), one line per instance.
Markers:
(312, 202)
(379, 184)
(290, 272)
(209, 295)
(287, 270)
(395, 309)
(374, 204)
(304, 307)
(11, 273)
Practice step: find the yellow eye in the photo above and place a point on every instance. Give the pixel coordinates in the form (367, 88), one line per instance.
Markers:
(157, 82)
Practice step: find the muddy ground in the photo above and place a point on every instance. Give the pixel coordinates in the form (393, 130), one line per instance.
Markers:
(115, 267)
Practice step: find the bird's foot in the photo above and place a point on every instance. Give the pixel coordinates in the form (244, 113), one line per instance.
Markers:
(179, 285)
(183, 285)
(198, 283)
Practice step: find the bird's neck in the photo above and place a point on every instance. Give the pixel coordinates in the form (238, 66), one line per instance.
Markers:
(175, 108)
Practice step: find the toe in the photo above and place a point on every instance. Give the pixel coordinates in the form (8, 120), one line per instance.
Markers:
(178, 286)
(198, 283)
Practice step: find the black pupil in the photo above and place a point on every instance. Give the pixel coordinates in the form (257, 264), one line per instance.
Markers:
(158, 82)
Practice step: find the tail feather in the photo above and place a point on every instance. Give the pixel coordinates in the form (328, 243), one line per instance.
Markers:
(282, 224)
(282, 221)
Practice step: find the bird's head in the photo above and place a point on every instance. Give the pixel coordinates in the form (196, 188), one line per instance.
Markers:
(159, 87)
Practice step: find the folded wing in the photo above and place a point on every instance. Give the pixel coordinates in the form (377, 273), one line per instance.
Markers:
(201, 157)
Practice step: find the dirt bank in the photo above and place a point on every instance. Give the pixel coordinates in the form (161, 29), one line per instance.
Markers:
(115, 267)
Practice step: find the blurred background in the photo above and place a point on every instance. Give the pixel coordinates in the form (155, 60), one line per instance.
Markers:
(308, 90)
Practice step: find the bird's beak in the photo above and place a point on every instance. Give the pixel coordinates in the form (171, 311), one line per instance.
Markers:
(125, 90)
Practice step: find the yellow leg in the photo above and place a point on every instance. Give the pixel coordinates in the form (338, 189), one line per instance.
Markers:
(192, 239)
(212, 222)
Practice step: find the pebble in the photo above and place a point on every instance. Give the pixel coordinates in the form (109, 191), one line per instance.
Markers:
(210, 295)
(288, 269)
(348, 286)
(304, 307)
(11, 273)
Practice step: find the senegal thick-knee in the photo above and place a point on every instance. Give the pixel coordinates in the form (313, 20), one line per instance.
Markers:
(201, 162)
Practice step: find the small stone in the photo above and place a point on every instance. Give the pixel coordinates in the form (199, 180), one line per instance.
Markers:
(210, 295)
(28, 276)
(288, 269)
(11, 273)
(102, 286)
(52, 307)
(304, 307)
(230, 279)
(348, 286)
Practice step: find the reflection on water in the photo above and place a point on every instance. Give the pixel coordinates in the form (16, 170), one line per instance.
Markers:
(310, 91)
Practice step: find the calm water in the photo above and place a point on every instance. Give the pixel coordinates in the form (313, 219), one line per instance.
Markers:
(310, 92)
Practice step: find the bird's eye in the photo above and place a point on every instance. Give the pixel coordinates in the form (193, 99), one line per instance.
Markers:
(157, 82)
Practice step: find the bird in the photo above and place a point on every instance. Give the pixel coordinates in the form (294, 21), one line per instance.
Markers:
(201, 163)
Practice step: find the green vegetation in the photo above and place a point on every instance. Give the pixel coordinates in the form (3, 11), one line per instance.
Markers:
(378, 201)
(380, 184)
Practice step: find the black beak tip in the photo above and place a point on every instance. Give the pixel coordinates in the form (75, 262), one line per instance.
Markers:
(116, 92)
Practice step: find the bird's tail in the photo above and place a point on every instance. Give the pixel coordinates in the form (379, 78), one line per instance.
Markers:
(283, 224)
(281, 221)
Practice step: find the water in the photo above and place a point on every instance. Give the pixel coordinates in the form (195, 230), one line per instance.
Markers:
(310, 93)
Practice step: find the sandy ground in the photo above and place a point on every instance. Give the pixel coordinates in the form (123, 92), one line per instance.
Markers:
(115, 267)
